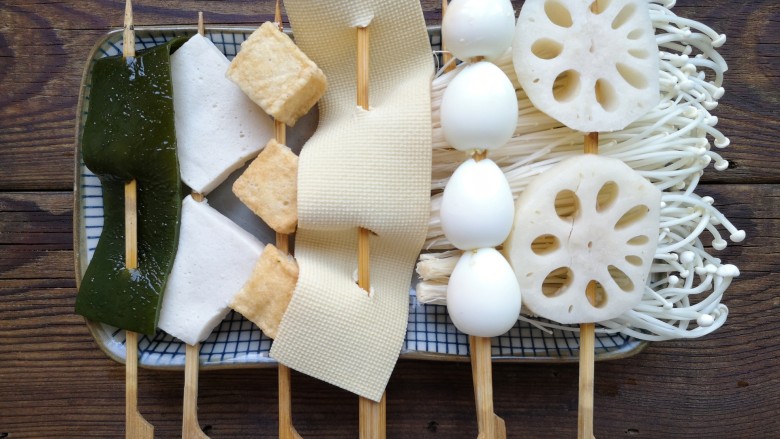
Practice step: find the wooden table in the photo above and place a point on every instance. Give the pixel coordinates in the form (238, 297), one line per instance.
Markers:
(55, 382)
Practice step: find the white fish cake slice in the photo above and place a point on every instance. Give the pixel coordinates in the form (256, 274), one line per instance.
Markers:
(592, 65)
(214, 259)
(588, 218)
(218, 128)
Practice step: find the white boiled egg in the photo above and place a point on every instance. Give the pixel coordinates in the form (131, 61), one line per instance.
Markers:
(472, 28)
(477, 209)
(483, 296)
(479, 108)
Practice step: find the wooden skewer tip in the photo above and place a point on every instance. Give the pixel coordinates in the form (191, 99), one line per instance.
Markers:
(128, 35)
(278, 15)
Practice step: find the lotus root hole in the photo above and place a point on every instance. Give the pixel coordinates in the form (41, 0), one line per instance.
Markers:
(606, 196)
(557, 282)
(546, 48)
(566, 86)
(567, 205)
(599, 6)
(557, 13)
(605, 95)
(639, 53)
(633, 216)
(636, 34)
(624, 15)
(596, 294)
(621, 279)
(545, 244)
(639, 240)
(634, 260)
(632, 76)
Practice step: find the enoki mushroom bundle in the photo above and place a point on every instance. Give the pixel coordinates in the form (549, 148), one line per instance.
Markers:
(670, 146)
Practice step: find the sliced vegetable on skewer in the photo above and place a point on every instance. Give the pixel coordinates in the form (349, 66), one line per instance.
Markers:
(592, 65)
(139, 173)
(584, 243)
(670, 146)
(587, 219)
(120, 145)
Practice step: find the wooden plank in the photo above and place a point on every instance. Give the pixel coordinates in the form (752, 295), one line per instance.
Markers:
(55, 382)
(720, 386)
(46, 45)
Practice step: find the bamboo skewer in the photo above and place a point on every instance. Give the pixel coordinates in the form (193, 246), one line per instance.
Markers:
(190, 427)
(588, 330)
(136, 427)
(286, 428)
(446, 57)
(585, 404)
(490, 425)
(587, 341)
(372, 414)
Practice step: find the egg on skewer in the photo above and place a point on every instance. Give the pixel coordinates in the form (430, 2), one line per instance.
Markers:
(478, 115)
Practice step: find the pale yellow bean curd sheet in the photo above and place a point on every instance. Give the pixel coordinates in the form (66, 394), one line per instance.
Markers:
(367, 169)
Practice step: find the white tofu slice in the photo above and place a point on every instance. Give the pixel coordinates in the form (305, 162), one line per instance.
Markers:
(214, 260)
(218, 128)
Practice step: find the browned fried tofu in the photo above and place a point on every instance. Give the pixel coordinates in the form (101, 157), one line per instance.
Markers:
(277, 75)
(269, 187)
(265, 296)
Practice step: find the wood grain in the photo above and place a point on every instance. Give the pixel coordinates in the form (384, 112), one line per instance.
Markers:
(722, 386)
(55, 382)
(44, 46)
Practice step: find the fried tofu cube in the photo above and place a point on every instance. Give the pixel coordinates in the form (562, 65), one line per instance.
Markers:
(265, 296)
(277, 75)
(269, 187)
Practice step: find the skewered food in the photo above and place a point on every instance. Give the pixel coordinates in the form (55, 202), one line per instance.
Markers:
(269, 187)
(121, 144)
(265, 296)
(218, 128)
(587, 219)
(591, 65)
(214, 259)
(277, 75)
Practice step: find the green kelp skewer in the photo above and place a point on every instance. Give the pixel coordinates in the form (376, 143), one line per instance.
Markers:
(130, 135)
